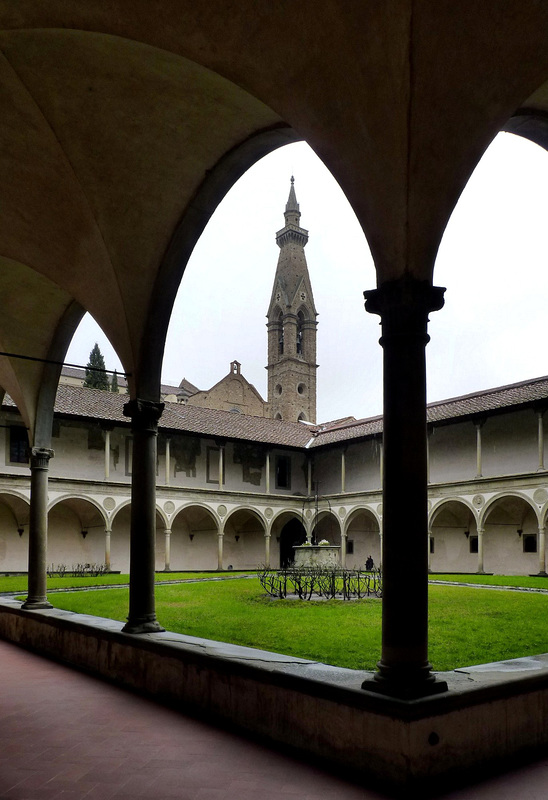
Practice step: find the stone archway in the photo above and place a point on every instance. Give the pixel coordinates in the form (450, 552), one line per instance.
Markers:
(14, 533)
(362, 539)
(291, 533)
(244, 540)
(76, 533)
(194, 543)
(454, 538)
(510, 539)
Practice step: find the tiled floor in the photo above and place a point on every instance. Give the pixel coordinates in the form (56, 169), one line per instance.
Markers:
(65, 736)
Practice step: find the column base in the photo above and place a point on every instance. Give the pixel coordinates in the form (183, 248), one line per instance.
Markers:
(35, 603)
(542, 574)
(405, 684)
(145, 624)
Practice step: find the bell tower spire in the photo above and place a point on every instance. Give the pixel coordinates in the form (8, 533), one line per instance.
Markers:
(292, 325)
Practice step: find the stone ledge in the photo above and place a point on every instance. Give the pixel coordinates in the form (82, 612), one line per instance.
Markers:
(491, 713)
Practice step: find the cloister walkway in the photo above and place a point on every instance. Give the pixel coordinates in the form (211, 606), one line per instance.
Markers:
(68, 736)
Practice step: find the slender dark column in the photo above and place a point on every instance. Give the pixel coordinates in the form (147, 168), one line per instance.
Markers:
(144, 425)
(404, 305)
(38, 528)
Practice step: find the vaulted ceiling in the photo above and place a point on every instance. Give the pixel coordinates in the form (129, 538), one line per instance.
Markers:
(123, 124)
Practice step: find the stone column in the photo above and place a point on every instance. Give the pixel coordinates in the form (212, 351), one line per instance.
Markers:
(107, 454)
(429, 550)
(478, 449)
(343, 472)
(38, 528)
(221, 465)
(381, 463)
(267, 472)
(480, 550)
(540, 436)
(381, 545)
(344, 537)
(167, 562)
(309, 476)
(108, 532)
(404, 305)
(541, 550)
(220, 541)
(267, 550)
(168, 461)
(144, 426)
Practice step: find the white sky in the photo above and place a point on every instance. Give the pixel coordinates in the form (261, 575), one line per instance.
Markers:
(492, 259)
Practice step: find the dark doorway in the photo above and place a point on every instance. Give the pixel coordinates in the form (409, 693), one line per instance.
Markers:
(293, 534)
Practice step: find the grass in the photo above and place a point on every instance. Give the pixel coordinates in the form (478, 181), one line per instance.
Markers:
(525, 581)
(18, 583)
(467, 626)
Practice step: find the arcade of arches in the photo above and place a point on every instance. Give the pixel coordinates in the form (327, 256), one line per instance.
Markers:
(112, 168)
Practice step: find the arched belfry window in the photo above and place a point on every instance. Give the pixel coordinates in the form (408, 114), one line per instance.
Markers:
(300, 333)
(280, 335)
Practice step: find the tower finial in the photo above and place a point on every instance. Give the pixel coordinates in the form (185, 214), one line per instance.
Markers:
(292, 204)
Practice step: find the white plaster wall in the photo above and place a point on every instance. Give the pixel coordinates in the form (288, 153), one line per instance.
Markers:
(13, 548)
(510, 444)
(452, 452)
(365, 543)
(363, 466)
(66, 544)
(327, 471)
(247, 553)
(452, 550)
(503, 551)
(119, 541)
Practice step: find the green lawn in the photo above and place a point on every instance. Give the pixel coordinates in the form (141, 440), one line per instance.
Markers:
(467, 626)
(18, 583)
(527, 581)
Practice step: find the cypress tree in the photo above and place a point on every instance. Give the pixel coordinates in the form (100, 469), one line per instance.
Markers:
(114, 384)
(94, 379)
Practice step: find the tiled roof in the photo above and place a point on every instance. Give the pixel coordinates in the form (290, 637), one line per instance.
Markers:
(96, 404)
(469, 405)
(76, 401)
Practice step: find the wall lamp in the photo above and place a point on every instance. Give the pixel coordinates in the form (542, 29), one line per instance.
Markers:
(467, 534)
(237, 538)
(20, 531)
(191, 536)
(520, 532)
(84, 533)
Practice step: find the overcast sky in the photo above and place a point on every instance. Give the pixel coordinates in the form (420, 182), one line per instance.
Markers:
(493, 260)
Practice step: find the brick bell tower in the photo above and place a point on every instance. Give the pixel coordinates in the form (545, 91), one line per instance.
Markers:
(292, 326)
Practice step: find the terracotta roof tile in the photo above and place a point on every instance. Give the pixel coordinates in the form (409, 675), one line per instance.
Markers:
(76, 401)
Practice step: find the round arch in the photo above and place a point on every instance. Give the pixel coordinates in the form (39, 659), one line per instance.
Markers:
(510, 522)
(362, 527)
(287, 530)
(76, 531)
(194, 531)
(326, 525)
(14, 519)
(454, 536)
(244, 539)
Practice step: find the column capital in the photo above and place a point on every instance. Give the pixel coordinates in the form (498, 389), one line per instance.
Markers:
(144, 414)
(39, 457)
(403, 305)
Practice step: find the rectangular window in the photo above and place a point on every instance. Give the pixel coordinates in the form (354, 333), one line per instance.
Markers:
(431, 544)
(473, 541)
(350, 547)
(212, 465)
(529, 543)
(18, 445)
(283, 472)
